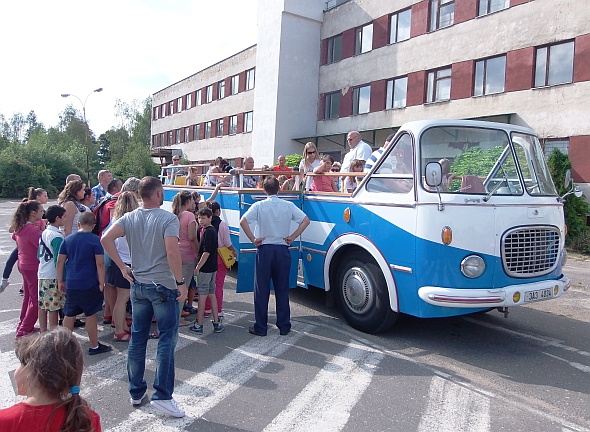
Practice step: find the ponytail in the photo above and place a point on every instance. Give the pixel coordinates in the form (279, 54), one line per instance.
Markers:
(21, 214)
(34, 193)
(77, 415)
(179, 200)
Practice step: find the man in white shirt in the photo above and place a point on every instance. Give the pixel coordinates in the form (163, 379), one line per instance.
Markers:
(377, 154)
(358, 150)
(273, 237)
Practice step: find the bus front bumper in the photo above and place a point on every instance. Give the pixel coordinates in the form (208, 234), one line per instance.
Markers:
(512, 295)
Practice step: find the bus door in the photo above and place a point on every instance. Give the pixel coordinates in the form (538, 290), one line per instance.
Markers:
(247, 251)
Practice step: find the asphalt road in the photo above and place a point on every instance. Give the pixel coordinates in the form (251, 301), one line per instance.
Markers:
(484, 372)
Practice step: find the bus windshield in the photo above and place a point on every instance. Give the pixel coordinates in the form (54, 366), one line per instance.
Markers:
(535, 171)
(473, 160)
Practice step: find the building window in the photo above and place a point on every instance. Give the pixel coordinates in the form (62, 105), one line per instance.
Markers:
(198, 98)
(208, 130)
(361, 100)
(250, 79)
(490, 76)
(178, 136)
(171, 108)
(364, 39)
(220, 89)
(179, 104)
(561, 144)
(188, 101)
(248, 121)
(209, 96)
(442, 13)
(219, 128)
(334, 49)
(197, 131)
(169, 138)
(235, 83)
(162, 141)
(332, 105)
(187, 134)
(400, 26)
(397, 90)
(489, 6)
(554, 64)
(439, 85)
(233, 124)
(163, 111)
(156, 112)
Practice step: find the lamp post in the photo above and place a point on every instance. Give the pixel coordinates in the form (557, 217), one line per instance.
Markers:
(65, 95)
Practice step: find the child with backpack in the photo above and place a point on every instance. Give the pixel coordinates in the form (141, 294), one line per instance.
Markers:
(51, 300)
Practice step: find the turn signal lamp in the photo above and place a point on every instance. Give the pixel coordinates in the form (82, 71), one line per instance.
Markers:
(555, 290)
(347, 214)
(516, 297)
(447, 235)
(565, 229)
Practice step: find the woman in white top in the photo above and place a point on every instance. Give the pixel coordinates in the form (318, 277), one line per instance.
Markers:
(125, 203)
(70, 198)
(310, 161)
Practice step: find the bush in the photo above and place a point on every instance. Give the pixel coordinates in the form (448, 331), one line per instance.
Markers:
(293, 160)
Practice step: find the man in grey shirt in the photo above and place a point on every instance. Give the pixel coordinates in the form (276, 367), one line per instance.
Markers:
(157, 289)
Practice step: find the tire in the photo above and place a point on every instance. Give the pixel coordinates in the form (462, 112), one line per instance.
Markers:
(362, 295)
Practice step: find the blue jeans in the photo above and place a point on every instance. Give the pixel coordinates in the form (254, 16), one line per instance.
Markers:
(150, 300)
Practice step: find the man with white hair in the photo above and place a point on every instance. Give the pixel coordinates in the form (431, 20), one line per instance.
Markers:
(100, 190)
(249, 180)
(358, 150)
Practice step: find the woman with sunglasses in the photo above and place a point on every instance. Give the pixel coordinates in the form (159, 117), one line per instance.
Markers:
(309, 162)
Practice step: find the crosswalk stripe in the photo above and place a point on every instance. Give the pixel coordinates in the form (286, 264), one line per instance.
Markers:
(9, 326)
(453, 408)
(325, 403)
(201, 392)
(114, 368)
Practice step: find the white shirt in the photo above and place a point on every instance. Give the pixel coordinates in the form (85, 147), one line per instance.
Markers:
(272, 218)
(361, 151)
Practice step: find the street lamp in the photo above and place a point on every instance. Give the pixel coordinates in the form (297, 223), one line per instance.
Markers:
(65, 95)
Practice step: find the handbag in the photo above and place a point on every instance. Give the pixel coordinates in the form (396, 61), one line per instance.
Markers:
(226, 256)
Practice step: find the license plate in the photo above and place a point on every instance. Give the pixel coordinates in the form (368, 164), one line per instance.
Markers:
(542, 294)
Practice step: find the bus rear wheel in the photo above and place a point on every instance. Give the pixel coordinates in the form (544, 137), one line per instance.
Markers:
(363, 296)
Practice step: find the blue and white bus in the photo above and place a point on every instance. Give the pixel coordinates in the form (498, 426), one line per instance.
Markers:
(455, 217)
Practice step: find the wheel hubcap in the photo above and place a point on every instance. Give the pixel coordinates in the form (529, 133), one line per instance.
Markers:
(357, 289)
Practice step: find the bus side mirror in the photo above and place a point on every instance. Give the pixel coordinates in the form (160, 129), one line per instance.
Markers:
(568, 179)
(433, 174)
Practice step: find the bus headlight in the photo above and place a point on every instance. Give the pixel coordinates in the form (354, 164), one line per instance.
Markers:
(473, 266)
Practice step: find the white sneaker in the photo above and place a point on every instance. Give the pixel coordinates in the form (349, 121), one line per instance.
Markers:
(168, 407)
(3, 285)
(136, 402)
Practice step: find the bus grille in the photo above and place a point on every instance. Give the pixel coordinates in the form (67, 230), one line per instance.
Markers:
(530, 251)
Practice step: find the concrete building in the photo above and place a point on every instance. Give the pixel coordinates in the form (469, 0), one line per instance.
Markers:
(325, 68)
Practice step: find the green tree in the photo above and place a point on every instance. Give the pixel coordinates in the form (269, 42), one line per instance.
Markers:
(293, 160)
(575, 209)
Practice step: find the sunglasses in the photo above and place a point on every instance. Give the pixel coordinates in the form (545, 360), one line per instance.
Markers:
(335, 170)
(311, 152)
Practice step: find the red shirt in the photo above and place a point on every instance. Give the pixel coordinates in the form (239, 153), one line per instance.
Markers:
(286, 169)
(105, 215)
(23, 417)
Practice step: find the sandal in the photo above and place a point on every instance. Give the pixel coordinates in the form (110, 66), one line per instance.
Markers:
(154, 335)
(107, 319)
(122, 337)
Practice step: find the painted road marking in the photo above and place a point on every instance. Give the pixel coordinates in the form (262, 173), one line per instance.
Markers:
(453, 408)
(203, 391)
(325, 403)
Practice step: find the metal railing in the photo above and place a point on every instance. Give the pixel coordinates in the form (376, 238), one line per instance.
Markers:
(331, 4)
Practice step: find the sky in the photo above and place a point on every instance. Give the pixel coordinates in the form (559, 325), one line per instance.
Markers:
(130, 48)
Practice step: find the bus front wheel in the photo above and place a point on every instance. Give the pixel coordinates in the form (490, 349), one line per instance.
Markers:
(362, 295)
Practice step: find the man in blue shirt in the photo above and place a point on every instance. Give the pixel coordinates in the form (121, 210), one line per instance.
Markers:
(273, 218)
(377, 154)
(100, 190)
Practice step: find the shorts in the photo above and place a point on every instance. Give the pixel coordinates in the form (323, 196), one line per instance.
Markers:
(206, 283)
(88, 302)
(50, 298)
(188, 271)
(115, 277)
